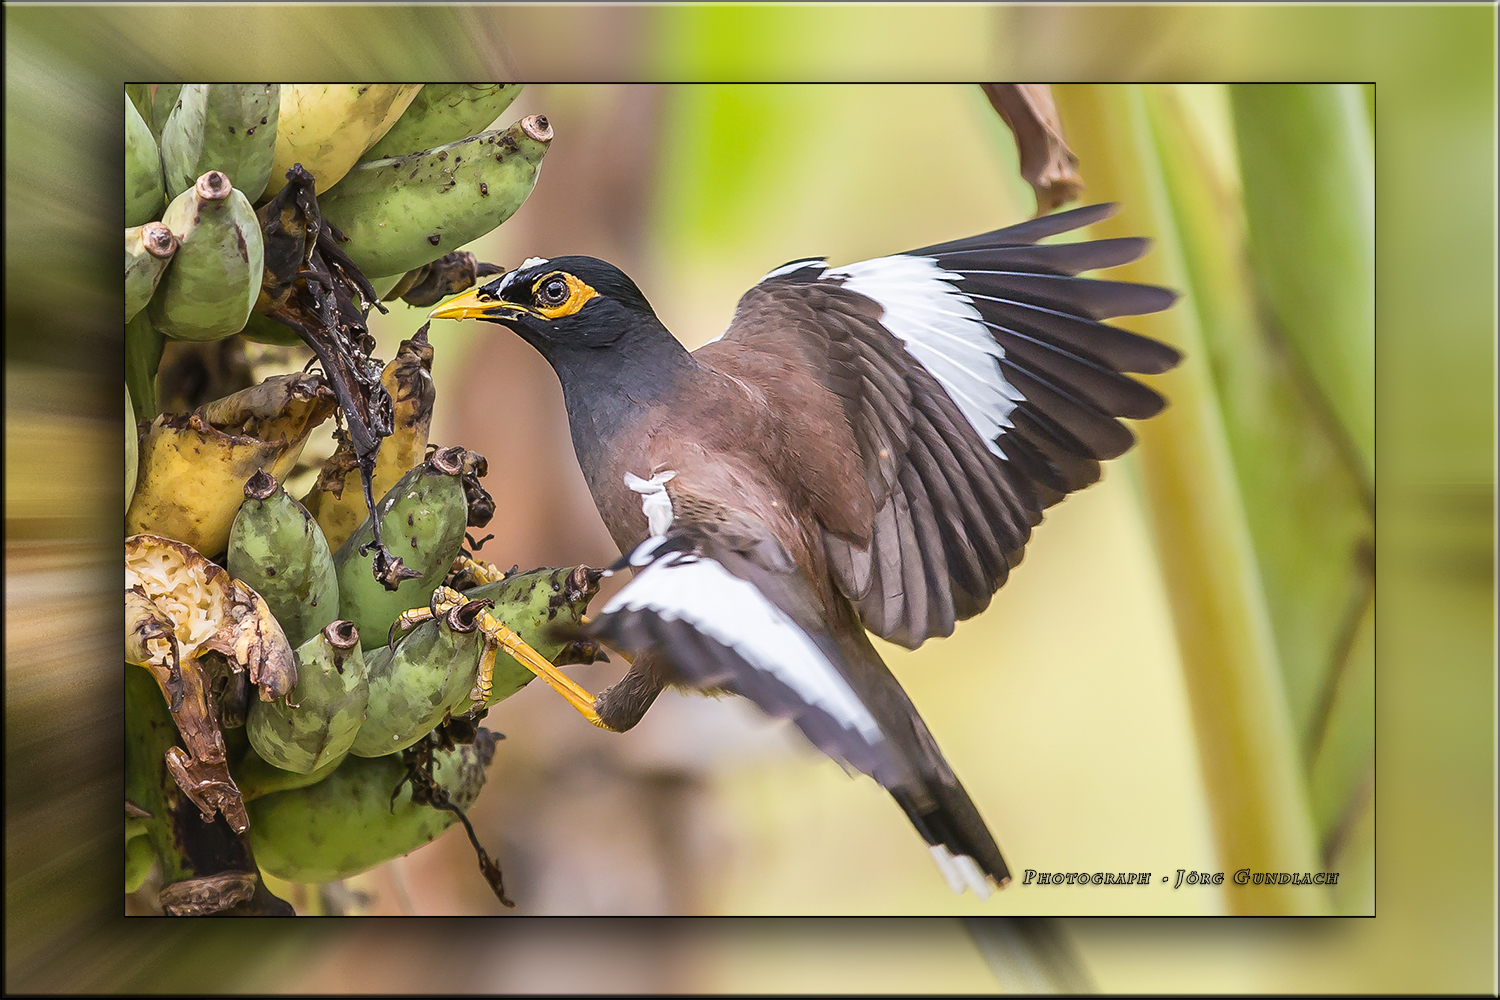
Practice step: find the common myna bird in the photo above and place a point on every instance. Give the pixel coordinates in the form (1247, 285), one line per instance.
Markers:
(866, 447)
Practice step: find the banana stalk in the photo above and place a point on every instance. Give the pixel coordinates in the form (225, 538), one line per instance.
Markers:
(148, 250)
(209, 290)
(401, 213)
(144, 197)
(337, 500)
(444, 113)
(229, 127)
(194, 467)
(327, 127)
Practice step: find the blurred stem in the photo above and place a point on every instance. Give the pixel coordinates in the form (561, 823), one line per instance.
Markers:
(1306, 164)
(1247, 752)
(1030, 955)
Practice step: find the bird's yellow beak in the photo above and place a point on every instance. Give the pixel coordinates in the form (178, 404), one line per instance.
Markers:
(476, 304)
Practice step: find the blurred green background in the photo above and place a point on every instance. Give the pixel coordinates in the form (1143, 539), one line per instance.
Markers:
(1079, 744)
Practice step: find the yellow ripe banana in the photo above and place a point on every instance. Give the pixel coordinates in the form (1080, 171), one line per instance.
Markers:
(148, 249)
(444, 113)
(212, 285)
(408, 380)
(401, 213)
(194, 467)
(144, 196)
(327, 127)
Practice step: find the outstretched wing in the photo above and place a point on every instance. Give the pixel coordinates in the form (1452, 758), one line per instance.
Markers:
(980, 386)
(723, 606)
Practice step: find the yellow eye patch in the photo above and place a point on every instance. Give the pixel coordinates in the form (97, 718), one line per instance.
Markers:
(578, 294)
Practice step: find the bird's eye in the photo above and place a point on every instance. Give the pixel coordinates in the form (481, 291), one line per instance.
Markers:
(554, 292)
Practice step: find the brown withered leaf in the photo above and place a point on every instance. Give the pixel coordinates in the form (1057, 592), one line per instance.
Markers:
(1047, 164)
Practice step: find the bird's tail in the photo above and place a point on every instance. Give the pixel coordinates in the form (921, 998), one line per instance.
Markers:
(929, 792)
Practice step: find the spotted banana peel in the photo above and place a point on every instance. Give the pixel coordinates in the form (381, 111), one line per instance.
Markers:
(229, 127)
(444, 113)
(363, 814)
(400, 213)
(194, 467)
(276, 548)
(313, 727)
(327, 127)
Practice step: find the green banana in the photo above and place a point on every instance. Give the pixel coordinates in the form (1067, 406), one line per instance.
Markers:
(277, 548)
(143, 349)
(419, 681)
(229, 127)
(534, 605)
(148, 250)
(422, 520)
(209, 290)
(444, 113)
(256, 778)
(132, 449)
(140, 858)
(163, 101)
(348, 823)
(144, 196)
(140, 95)
(320, 716)
(265, 330)
(401, 213)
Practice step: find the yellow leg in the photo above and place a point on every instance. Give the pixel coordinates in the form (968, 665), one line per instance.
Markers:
(500, 636)
(444, 600)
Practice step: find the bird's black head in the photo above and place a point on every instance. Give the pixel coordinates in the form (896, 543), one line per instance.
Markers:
(562, 306)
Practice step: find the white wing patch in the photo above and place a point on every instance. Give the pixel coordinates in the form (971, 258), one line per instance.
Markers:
(960, 871)
(655, 503)
(733, 612)
(795, 265)
(941, 329)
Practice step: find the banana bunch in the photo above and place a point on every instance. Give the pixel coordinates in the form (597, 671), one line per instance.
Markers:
(285, 212)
